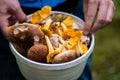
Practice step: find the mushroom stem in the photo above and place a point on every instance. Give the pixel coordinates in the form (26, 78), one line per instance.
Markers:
(64, 27)
(47, 24)
(49, 44)
(79, 49)
(51, 50)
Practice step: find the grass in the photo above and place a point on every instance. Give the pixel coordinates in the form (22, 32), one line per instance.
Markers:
(106, 61)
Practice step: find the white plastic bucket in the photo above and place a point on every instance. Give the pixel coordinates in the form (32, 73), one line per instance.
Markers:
(32, 70)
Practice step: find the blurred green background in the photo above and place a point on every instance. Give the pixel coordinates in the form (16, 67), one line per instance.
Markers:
(106, 54)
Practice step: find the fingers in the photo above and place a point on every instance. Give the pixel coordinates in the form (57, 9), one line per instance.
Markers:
(85, 7)
(18, 13)
(110, 13)
(8, 10)
(105, 15)
(89, 17)
(101, 17)
(8, 19)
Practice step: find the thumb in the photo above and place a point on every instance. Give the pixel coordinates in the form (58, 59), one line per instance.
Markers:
(19, 14)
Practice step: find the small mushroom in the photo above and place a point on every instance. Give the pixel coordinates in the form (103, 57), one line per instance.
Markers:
(38, 53)
(52, 52)
(85, 39)
(65, 57)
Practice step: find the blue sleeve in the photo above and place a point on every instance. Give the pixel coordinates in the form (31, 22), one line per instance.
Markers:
(40, 3)
(78, 10)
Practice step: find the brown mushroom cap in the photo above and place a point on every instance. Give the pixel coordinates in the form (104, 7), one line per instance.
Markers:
(38, 53)
(24, 36)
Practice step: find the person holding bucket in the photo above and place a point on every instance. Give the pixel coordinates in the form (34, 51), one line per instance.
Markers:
(96, 14)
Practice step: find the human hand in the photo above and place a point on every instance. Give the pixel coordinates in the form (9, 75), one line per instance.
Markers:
(98, 13)
(9, 12)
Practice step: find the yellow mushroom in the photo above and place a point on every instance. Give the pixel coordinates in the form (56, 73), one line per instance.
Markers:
(53, 52)
(8, 28)
(64, 27)
(50, 47)
(40, 15)
(46, 29)
(79, 49)
(69, 22)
